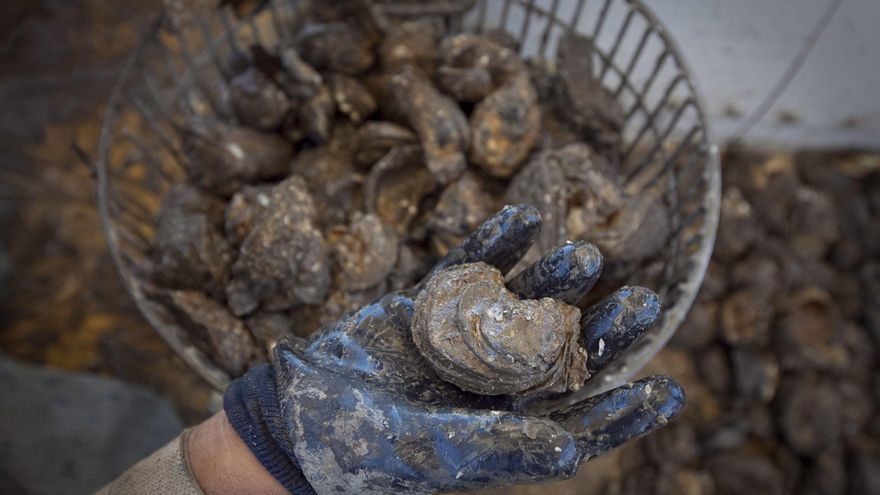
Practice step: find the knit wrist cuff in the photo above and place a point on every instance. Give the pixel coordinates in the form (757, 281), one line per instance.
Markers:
(251, 405)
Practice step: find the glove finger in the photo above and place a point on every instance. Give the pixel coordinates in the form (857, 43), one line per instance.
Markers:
(566, 273)
(612, 325)
(606, 421)
(500, 241)
(491, 449)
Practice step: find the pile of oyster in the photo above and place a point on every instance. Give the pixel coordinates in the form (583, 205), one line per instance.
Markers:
(779, 354)
(360, 152)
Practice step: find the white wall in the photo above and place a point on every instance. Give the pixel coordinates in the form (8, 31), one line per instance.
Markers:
(738, 49)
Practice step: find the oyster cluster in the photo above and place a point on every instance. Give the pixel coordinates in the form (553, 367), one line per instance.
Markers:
(362, 150)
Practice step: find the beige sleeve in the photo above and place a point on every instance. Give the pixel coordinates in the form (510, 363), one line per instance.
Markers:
(165, 471)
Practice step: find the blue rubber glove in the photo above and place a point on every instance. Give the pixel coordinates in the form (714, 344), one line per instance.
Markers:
(357, 409)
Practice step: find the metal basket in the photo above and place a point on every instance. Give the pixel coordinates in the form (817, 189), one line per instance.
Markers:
(178, 70)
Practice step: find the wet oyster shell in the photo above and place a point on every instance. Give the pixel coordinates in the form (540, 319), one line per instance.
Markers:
(478, 335)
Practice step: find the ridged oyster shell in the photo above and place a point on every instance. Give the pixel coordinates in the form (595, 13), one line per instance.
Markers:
(478, 335)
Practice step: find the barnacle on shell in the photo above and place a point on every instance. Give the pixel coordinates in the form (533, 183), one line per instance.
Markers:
(478, 335)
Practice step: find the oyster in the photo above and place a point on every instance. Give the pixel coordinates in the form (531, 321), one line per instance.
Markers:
(243, 210)
(411, 43)
(375, 138)
(312, 118)
(189, 251)
(505, 127)
(297, 78)
(478, 335)
(413, 264)
(396, 186)
(283, 260)
(365, 251)
(439, 122)
(213, 329)
(335, 47)
(581, 195)
(473, 66)
(543, 184)
(462, 207)
(353, 99)
(331, 179)
(506, 121)
(222, 158)
(581, 98)
(257, 101)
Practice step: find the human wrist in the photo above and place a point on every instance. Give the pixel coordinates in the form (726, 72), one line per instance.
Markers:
(223, 465)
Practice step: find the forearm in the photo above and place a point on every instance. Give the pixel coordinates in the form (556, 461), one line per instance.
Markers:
(209, 459)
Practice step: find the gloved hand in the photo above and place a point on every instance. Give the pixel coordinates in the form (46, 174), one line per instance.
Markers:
(357, 409)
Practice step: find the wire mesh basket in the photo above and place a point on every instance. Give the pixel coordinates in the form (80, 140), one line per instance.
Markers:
(179, 70)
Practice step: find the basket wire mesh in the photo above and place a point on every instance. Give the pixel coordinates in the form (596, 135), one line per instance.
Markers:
(180, 68)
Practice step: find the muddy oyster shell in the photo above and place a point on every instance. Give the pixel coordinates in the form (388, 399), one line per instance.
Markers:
(189, 251)
(212, 328)
(283, 260)
(477, 334)
(365, 252)
(505, 127)
(397, 185)
(440, 123)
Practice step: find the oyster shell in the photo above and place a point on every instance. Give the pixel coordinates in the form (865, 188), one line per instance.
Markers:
(365, 252)
(473, 66)
(463, 205)
(478, 335)
(375, 138)
(213, 329)
(243, 210)
(335, 47)
(312, 117)
(352, 98)
(582, 99)
(396, 186)
(505, 127)
(189, 251)
(329, 173)
(257, 101)
(411, 43)
(283, 260)
(222, 158)
(437, 119)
